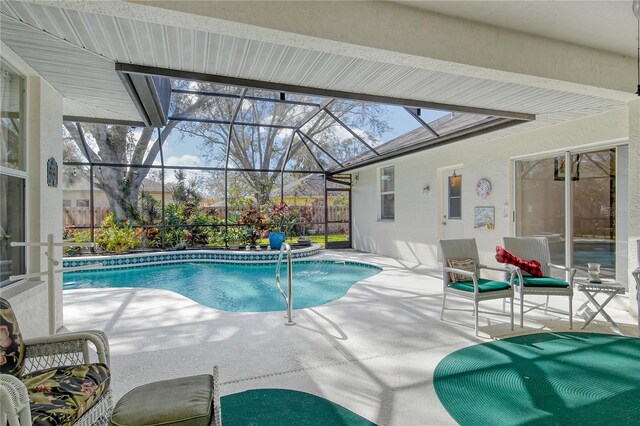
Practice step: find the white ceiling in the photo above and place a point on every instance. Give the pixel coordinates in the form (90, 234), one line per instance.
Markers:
(76, 51)
(606, 24)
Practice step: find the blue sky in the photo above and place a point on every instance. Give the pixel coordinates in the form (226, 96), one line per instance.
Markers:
(185, 150)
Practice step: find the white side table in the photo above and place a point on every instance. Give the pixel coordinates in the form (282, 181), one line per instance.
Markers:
(590, 290)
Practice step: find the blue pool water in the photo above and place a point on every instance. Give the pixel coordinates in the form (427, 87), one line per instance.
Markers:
(233, 287)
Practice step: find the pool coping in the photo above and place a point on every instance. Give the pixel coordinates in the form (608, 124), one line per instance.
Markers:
(159, 258)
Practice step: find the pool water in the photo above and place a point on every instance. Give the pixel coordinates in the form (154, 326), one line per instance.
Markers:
(233, 287)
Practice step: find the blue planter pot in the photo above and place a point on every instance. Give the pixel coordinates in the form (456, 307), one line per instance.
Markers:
(276, 239)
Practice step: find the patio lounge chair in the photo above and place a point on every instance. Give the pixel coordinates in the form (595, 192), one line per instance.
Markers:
(461, 276)
(50, 380)
(537, 248)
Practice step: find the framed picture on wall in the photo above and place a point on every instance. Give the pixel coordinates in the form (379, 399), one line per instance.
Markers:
(484, 217)
(559, 168)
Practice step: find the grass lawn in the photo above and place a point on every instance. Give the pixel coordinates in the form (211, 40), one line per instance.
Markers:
(318, 239)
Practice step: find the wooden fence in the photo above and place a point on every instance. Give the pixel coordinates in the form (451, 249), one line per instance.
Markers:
(81, 216)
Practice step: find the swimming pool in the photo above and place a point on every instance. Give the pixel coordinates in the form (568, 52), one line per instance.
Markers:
(234, 287)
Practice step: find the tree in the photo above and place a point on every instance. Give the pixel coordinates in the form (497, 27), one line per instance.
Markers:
(262, 148)
(135, 148)
(250, 147)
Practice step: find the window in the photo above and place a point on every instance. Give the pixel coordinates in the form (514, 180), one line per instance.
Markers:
(66, 203)
(455, 196)
(82, 203)
(387, 194)
(12, 173)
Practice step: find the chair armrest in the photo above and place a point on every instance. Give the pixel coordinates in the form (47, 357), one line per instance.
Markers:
(43, 349)
(571, 271)
(511, 270)
(505, 269)
(14, 401)
(464, 272)
(460, 271)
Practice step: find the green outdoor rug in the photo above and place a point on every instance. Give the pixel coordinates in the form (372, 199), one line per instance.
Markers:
(280, 407)
(543, 379)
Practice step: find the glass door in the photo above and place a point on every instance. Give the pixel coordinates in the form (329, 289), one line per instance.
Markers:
(594, 211)
(542, 209)
(540, 193)
(338, 212)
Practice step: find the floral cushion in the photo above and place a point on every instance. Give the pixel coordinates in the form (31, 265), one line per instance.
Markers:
(59, 396)
(464, 264)
(11, 344)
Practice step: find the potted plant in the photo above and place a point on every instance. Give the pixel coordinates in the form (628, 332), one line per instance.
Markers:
(234, 237)
(280, 221)
(305, 214)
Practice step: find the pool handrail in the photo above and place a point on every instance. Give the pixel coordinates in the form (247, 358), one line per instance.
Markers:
(288, 297)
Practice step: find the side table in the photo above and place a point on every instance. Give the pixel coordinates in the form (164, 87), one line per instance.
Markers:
(609, 287)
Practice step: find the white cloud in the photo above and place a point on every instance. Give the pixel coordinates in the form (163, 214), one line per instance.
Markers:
(184, 160)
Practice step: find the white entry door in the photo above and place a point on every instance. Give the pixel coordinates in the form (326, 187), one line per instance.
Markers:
(451, 213)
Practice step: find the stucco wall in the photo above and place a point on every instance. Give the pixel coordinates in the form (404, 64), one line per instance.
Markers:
(414, 233)
(43, 132)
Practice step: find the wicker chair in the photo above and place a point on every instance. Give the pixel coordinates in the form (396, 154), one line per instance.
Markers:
(474, 287)
(38, 374)
(537, 248)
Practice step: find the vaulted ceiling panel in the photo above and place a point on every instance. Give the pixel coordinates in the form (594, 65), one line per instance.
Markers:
(238, 54)
(172, 39)
(200, 48)
(157, 36)
(79, 54)
(186, 50)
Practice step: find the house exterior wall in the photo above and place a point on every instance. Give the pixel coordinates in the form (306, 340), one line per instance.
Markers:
(414, 233)
(43, 130)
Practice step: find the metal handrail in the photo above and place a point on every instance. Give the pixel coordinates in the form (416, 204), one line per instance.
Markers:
(288, 297)
(50, 272)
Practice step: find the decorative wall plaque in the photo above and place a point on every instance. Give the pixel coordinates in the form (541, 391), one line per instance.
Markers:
(52, 172)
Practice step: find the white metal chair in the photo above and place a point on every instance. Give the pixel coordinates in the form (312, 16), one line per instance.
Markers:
(537, 248)
(476, 289)
(51, 379)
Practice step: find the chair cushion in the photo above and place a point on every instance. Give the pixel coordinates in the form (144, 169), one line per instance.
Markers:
(542, 282)
(59, 396)
(484, 285)
(186, 401)
(11, 345)
(464, 264)
(532, 267)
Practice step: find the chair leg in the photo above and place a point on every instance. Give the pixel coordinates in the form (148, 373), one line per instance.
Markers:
(521, 310)
(444, 298)
(475, 314)
(511, 313)
(546, 306)
(570, 312)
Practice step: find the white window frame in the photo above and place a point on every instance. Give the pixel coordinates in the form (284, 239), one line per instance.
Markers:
(18, 173)
(383, 193)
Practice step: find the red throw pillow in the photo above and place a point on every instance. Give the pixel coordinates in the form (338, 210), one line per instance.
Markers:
(532, 267)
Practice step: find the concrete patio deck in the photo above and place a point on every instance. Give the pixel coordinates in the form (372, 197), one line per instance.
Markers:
(373, 351)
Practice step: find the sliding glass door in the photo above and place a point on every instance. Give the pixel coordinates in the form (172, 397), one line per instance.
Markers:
(542, 207)
(540, 204)
(594, 211)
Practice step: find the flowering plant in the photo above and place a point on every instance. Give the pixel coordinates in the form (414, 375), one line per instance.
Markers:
(281, 217)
